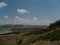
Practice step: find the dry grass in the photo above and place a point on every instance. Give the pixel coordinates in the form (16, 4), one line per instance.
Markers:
(26, 40)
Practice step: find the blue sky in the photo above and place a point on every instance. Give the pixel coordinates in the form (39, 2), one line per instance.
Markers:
(36, 12)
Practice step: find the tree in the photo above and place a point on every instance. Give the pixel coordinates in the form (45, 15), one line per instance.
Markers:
(57, 23)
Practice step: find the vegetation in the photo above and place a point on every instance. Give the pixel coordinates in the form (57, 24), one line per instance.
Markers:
(48, 36)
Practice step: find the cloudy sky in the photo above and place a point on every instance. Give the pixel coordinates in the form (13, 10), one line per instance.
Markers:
(30, 12)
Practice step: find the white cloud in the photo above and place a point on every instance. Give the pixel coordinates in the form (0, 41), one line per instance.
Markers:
(6, 17)
(22, 11)
(3, 4)
(35, 18)
(17, 17)
(19, 20)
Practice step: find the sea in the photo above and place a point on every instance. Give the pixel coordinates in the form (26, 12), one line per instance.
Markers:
(2, 31)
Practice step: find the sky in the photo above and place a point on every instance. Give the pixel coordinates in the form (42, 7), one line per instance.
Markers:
(29, 12)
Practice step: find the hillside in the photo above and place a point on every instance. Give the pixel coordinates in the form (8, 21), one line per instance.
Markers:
(47, 36)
